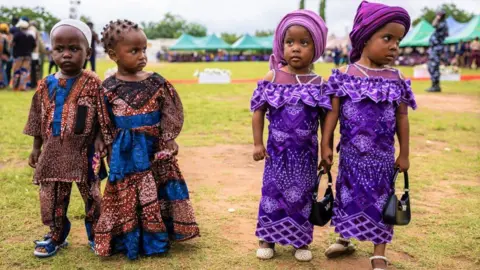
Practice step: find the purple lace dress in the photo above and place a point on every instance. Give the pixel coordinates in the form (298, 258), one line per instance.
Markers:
(294, 104)
(368, 102)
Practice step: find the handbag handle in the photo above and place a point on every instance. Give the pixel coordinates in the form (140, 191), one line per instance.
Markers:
(405, 178)
(319, 176)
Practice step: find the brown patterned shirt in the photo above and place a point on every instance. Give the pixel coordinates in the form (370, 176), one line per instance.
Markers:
(64, 157)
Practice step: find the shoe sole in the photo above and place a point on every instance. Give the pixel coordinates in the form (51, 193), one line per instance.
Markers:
(336, 254)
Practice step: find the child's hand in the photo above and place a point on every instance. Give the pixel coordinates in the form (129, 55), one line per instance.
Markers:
(172, 146)
(402, 163)
(100, 146)
(33, 158)
(259, 152)
(327, 159)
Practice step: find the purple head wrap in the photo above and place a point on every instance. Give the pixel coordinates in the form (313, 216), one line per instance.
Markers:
(306, 18)
(369, 19)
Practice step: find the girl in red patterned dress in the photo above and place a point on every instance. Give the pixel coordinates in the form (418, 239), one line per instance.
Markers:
(146, 204)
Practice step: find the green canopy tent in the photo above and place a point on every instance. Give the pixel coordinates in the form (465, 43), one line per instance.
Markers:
(419, 36)
(184, 43)
(212, 43)
(470, 32)
(267, 42)
(190, 43)
(247, 42)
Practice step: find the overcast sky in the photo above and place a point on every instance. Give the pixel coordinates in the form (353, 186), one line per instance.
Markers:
(239, 16)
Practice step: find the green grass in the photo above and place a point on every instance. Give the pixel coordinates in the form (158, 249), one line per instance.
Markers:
(444, 233)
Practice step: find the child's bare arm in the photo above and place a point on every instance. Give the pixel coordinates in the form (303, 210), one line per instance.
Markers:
(322, 127)
(36, 151)
(403, 134)
(327, 135)
(100, 145)
(258, 123)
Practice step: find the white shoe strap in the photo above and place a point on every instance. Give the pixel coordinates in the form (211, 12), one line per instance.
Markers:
(379, 258)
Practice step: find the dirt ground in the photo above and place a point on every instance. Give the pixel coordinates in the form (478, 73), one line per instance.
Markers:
(233, 171)
(451, 103)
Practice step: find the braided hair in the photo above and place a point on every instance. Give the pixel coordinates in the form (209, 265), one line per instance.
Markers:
(112, 32)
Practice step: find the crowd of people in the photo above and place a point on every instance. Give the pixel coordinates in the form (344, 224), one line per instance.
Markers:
(338, 55)
(220, 56)
(23, 53)
(464, 54)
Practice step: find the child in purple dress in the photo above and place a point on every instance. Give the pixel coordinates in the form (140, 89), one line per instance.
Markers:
(292, 96)
(371, 100)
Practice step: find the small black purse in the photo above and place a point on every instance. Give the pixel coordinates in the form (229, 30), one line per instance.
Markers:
(322, 210)
(397, 212)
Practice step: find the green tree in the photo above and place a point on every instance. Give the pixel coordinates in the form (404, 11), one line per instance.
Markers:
(47, 19)
(450, 9)
(172, 26)
(230, 38)
(302, 4)
(195, 29)
(323, 4)
(264, 33)
(85, 19)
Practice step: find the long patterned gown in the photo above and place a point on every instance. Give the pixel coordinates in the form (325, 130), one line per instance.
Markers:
(146, 201)
(294, 106)
(368, 102)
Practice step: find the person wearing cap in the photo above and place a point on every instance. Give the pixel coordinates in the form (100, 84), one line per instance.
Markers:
(23, 46)
(436, 50)
(71, 127)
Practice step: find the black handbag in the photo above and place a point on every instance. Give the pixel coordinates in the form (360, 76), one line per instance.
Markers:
(397, 212)
(322, 210)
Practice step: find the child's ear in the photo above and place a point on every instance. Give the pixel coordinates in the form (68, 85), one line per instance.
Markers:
(89, 53)
(112, 55)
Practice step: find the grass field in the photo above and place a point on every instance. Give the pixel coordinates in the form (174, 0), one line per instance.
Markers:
(445, 184)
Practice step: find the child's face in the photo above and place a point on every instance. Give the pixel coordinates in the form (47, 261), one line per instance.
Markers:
(298, 47)
(130, 51)
(382, 48)
(69, 49)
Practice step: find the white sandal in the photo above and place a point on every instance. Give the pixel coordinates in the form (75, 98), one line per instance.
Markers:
(303, 255)
(265, 253)
(338, 249)
(379, 258)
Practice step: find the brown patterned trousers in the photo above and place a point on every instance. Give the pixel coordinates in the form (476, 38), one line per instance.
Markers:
(54, 201)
